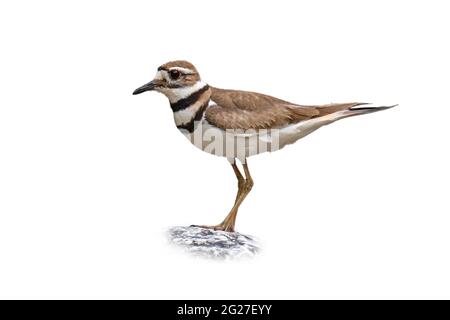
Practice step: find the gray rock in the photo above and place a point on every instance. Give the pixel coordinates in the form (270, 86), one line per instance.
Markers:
(213, 244)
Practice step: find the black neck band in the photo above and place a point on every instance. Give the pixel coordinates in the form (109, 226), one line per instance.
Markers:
(186, 102)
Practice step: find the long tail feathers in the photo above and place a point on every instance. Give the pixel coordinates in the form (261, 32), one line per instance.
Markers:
(338, 111)
(357, 110)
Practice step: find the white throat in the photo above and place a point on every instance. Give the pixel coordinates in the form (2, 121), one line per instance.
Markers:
(176, 94)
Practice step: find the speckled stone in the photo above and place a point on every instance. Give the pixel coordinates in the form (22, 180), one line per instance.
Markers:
(213, 244)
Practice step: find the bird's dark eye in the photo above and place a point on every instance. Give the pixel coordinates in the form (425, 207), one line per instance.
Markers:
(174, 74)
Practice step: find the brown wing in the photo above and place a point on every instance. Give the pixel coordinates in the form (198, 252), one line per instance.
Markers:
(249, 110)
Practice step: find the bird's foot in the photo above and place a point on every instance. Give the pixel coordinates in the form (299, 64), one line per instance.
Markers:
(219, 227)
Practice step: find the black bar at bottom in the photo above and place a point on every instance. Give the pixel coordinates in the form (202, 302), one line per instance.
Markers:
(223, 309)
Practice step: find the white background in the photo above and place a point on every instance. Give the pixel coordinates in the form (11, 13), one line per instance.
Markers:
(91, 176)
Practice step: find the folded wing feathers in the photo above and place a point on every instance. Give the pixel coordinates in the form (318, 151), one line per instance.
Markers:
(249, 110)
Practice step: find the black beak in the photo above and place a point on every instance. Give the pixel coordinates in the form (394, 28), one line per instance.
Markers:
(146, 87)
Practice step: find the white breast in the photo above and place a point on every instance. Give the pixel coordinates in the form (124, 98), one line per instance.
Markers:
(243, 144)
(185, 115)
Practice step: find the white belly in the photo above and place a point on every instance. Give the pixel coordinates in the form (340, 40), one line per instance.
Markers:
(243, 144)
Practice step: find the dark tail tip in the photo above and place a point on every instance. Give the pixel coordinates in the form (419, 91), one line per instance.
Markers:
(371, 109)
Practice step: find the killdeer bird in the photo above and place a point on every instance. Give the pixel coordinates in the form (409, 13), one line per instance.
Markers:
(238, 124)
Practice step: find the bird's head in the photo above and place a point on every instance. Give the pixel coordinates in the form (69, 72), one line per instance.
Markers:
(173, 79)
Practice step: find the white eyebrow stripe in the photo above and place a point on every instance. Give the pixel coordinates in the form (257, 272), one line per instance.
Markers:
(183, 70)
(159, 75)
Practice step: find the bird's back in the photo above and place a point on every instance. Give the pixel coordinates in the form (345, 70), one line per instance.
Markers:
(236, 109)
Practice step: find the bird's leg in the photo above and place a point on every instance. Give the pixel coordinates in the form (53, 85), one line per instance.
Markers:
(241, 180)
(244, 187)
